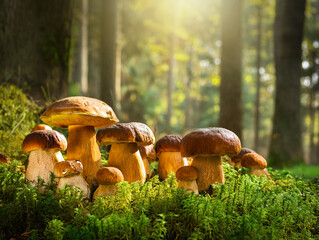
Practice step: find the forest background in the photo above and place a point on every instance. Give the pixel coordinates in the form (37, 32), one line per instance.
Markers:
(247, 65)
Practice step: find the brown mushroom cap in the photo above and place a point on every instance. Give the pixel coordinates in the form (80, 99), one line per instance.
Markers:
(67, 168)
(253, 160)
(126, 133)
(148, 152)
(187, 173)
(169, 143)
(243, 151)
(109, 175)
(44, 139)
(41, 127)
(3, 158)
(79, 111)
(210, 142)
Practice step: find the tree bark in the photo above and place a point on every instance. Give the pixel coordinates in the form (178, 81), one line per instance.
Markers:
(111, 54)
(230, 87)
(258, 65)
(285, 146)
(35, 40)
(84, 47)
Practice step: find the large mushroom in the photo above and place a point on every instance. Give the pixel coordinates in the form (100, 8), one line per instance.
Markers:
(237, 159)
(124, 154)
(206, 146)
(257, 164)
(187, 177)
(70, 172)
(148, 155)
(169, 155)
(44, 147)
(107, 178)
(81, 115)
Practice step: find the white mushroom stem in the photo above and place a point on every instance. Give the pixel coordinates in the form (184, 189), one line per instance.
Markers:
(210, 171)
(76, 180)
(83, 147)
(259, 171)
(41, 163)
(188, 186)
(127, 158)
(170, 162)
(105, 190)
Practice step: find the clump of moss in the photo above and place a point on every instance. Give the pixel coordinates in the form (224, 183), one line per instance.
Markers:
(18, 115)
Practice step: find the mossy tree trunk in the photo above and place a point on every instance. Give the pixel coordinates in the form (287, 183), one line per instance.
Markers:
(286, 147)
(35, 40)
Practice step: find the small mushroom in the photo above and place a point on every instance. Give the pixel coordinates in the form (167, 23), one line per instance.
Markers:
(41, 127)
(70, 172)
(206, 146)
(257, 164)
(186, 177)
(237, 159)
(148, 155)
(81, 115)
(169, 155)
(4, 158)
(124, 154)
(107, 177)
(44, 147)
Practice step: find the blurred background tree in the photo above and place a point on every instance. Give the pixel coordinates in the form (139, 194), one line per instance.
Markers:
(165, 63)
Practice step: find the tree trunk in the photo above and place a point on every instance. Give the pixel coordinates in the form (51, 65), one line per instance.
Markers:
(230, 87)
(285, 146)
(258, 65)
(84, 48)
(111, 54)
(35, 40)
(188, 103)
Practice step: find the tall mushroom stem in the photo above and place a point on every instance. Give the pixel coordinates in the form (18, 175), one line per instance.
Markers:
(210, 171)
(188, 186)
(82, 146)
(170, 162)
(127, 158)
(41, 163)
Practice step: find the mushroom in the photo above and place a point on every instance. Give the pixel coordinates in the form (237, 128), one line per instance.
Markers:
(124, 154)
(257, 164)
(4, 158)
(44, 147)
(148, 155)
(237, 159)
(107, 177)
(70, 172)
(186, 177)
(41, 127)
(81, 115)
(206, 146)
(169, 155)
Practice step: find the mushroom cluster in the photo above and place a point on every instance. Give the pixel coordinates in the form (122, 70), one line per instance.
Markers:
(196, 159)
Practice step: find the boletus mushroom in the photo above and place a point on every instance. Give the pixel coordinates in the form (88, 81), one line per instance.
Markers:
(206, 146)
(237, 159)
(148, 155)
(81, 115)
(107, 178)
(44, 147)
(4, 158)
(124, 154)
(187, 177)
(41, 127)
(70, 172)
(257, 164)
(169, 155)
